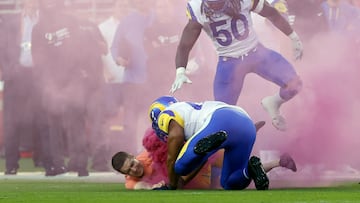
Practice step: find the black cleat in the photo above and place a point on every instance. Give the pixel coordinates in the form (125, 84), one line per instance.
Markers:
(54, 171)
(12, 171)
(83, 173)
(258, 174)
(210, 142)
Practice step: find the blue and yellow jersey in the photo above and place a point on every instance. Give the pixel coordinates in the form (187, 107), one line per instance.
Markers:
(191, 116)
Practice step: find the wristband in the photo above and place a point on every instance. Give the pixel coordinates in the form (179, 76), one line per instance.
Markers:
(180, 70)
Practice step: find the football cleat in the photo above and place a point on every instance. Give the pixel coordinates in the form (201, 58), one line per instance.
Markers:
(12, 171)
(210, 142)
(258, 174)
(272, 108)
(287, 161)
(83, 173)
(279, 123)
(54, 171)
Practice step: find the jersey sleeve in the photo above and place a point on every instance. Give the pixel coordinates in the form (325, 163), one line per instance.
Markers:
(166, 116)
(193, 10)
(282, 7)
(257, 5)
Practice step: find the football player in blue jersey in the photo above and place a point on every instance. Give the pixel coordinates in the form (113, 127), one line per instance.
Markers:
(195, 131)
(228, 23)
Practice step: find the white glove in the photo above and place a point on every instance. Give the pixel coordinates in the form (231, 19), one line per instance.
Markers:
(297, 45)
(180, 79)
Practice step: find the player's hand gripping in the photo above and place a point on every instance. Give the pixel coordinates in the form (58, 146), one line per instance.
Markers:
(297, 45)
(180, 79)
(158, 185)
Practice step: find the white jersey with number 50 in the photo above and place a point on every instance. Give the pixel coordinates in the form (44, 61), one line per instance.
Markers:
(232, 36)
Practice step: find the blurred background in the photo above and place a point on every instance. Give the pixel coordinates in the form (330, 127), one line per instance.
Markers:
(323, 119)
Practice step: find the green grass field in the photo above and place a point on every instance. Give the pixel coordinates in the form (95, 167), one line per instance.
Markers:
(62, 191)
(73, 189)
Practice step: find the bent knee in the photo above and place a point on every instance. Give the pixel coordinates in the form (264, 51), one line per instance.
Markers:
(292, 88)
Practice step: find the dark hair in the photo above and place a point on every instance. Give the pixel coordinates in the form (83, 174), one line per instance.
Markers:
(118, 160)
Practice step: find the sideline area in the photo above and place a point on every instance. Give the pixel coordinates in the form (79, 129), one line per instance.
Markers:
(106, 177)
(27, 171)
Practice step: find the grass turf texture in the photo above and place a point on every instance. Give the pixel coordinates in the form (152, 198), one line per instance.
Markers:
(80, 190)
(61, 191)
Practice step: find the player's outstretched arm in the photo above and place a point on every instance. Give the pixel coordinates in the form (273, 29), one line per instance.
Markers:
(175, 142)
(189, 36)
(284, 26)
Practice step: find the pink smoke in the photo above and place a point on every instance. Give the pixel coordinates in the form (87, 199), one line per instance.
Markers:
(323, 132)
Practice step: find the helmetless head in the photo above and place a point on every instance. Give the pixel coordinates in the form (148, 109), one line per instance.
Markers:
(127, 164)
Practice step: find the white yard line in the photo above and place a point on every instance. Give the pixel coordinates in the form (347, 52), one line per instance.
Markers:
(70, 176)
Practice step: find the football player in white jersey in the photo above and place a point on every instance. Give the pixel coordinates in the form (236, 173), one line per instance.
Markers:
(195, 131)
(228, 23)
